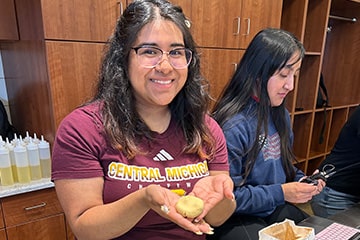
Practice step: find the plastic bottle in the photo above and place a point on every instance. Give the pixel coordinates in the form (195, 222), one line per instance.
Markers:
(45, 158)
(27, 138)
(22, 163)
(2, 142)
(7, 178)
(34, 160)
(35, 139)
(15, 140)
(10, 147)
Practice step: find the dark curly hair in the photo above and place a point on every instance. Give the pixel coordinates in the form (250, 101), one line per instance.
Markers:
(122, 123)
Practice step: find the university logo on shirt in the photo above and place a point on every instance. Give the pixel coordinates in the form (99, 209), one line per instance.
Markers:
(163, 156)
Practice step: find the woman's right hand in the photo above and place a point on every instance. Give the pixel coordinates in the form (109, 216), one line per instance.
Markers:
(298, 192)
(163, 201)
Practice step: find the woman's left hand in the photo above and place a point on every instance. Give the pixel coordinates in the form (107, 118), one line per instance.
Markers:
(212, 190)
(320, 183)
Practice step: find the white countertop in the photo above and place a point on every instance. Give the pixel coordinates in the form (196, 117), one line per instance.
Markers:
(17, 188)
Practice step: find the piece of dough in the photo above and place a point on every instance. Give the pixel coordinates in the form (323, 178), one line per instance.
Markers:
(190, 206)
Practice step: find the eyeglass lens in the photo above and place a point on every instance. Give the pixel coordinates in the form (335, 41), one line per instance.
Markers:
(149, 56)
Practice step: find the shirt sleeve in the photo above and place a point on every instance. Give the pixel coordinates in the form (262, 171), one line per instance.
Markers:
(78, 145)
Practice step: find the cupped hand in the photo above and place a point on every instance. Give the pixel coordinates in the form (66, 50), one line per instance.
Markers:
(163, 201)
(212, 190)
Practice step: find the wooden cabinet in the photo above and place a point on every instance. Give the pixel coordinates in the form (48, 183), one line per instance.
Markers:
(46, 82)
(218, 65)
(223, 29)
(2, 234)
(54, 66)
(308, 21)
(185, 5)
(81, 20)
(8, 22)
(330, 51)
(341, 57)
(66, 61)
(2, 226)
(232, 23)
(34, 215)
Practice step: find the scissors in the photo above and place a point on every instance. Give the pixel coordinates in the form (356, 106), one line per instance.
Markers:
(327, 171)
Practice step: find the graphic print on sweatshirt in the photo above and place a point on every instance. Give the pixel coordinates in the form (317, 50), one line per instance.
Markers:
(271, 148)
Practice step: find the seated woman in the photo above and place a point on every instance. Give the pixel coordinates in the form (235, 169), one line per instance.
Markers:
(259, 138)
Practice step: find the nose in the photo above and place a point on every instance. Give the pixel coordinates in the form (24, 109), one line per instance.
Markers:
(289, 84)
(164, 66)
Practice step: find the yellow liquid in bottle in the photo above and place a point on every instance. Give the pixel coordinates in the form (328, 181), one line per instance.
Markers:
(35, 172)
(14, 172)
(23, 174)
(6, 176)
(45, 167)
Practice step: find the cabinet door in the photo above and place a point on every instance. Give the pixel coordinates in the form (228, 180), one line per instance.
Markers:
(50, 228)
(2, 234)
(185, 5)
(232, 23)
(73, 69)
(83, 20)
(28, 207)
(8, 23)
(216, 23)
(218, 66)
(257, 15)
(2, 225)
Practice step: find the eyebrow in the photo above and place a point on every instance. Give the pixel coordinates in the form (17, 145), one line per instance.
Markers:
(150, 44)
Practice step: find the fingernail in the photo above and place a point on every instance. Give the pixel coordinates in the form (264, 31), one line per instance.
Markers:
(210, 232)
(196, 220)
(199, 233)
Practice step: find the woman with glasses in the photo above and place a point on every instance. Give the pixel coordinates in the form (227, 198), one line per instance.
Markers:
(121, 161)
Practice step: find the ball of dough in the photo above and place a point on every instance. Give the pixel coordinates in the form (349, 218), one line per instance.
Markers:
(189, 206)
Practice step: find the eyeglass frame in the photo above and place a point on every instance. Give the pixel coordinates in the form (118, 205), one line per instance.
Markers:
(187, 50)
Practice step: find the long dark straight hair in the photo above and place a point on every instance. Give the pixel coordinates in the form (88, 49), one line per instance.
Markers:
(267, 53)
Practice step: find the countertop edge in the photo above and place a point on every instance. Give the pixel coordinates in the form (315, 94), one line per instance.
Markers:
(17, 188)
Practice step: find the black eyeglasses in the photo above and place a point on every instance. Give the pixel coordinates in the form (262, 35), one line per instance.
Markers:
(149, 57)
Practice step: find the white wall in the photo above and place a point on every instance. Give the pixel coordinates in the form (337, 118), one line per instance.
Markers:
(3, 93)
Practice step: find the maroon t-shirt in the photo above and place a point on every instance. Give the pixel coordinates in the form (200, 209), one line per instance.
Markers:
(81, 150)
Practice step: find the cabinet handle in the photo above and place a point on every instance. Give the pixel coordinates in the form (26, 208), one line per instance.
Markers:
(247, 20)
(43, 204)
(235, 66)
(237, 20)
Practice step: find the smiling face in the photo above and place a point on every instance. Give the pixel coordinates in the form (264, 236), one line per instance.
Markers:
(157, 86)
(282, 82)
